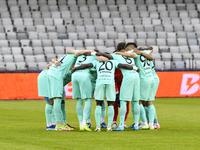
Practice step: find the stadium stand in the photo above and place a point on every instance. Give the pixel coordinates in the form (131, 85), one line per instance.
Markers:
(32, 32)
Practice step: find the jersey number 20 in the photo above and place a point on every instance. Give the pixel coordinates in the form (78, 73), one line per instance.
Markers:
(108, 65)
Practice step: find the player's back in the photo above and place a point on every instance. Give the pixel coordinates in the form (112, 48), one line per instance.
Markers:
(82, 59)
(105, 71)
(125, 60)
(144, 65)
(66, 62)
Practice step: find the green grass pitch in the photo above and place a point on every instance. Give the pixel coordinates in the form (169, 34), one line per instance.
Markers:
(22, 127)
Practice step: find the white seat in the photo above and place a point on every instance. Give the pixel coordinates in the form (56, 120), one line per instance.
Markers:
(40, 58)
(18, 58)
(38, 50)
(78, 43)
(3, 43)
(57, 42)
(10, 66)
(46, 42)
(36, 43)
(16, 50)
(194, 48)
(5, 50)
(159, 64)
(40, 28)
(52, 35)
(21, 66)
(14, 43)
(99, 42)
(8, 58)
(48, 50)
(59, 49)
(67, 43)
(42, 36)
(27, 50)
(166, 56)
(73, 36)
(42, 65)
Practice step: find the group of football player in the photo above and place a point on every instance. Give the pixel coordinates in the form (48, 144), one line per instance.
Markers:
(127, 75)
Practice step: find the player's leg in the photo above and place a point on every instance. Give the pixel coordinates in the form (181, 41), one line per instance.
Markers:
(86, 93)
(151, 108)
(77, 95)
(110, 97)
(86, 114)
(103, 115)
(64, 110)
(135, 102)
(89, 117)
(55, 89)
(145, 105)
(156, 124)
(110, 115)
(48, 113)
(114, 124)
(145, 88)
(98, 114)
(99, 96)
(127, 112)
(126, 93)
(43, 92)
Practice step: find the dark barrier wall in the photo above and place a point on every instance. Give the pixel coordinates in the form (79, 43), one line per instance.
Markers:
(172, 84)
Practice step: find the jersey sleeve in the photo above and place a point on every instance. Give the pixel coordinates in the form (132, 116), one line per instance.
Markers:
(147, 52)
(94, 62)
(116, 63)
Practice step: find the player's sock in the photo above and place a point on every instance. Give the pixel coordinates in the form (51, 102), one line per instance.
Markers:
(151, 109)
(142, 113)
(79, 109)
(102, 119)
(110, 115)
(48, 113)
(64, 112)
(58, 112)
(80, 123)
(87, 110)
(136, 112)
(53, 117)
(103, 112)
(155, 117)
(147, 112)
(88, 121)
(122, 111)
(98, 115)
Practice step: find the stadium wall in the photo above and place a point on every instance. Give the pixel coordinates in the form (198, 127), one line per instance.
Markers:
(172, 84)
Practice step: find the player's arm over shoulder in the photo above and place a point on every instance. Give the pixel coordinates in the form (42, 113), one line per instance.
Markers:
(126, 54)
(129, 67)
(149, 57)
(81, 52)
(84, 66)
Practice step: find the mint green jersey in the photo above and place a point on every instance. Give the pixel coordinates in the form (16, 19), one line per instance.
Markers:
(67, 78)
(60, 72)
(153, 71)
(93, 74)
(82, 59)
(125, 60)
(105, 71)
(144, 65)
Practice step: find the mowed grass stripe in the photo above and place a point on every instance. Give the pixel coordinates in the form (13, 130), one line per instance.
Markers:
(23, 127)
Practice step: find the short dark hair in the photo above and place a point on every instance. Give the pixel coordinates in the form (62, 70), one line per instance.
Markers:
(121, 46)
(131, 43)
